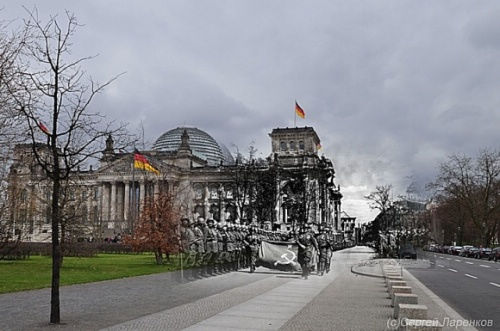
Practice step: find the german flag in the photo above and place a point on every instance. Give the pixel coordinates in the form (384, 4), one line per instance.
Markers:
(299, 111)
(141, 162)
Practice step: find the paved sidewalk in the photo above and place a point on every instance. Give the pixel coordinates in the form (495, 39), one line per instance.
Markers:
(265, 300)
(339, 300)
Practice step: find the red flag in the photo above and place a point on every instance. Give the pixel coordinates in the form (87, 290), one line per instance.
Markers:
(43, 128)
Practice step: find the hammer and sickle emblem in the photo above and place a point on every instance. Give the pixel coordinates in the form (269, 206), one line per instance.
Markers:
(287, 259)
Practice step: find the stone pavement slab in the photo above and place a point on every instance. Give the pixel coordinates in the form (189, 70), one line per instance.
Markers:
(294, 295)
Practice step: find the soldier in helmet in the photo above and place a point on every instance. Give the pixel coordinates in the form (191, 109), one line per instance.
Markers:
(306, 243)
(331, 240)
(188, 245)
(252, 243)
(199, 244)
(230, 247)
(221, 255)
(324, 249)
(211, 246)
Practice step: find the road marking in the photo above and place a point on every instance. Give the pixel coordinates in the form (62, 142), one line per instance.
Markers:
(471, 276)
(442, 266)
(495, 284)
(449, 259)
(452, 270)
(435, 263)
(441, 257)
(468, 262)
(484, 266)
(458, 260)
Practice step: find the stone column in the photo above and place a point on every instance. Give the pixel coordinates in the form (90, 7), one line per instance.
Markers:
(113, 202)
(222, 211)
(126, 203)
(206, 204)
(90, 193)
(105, 202)
(156, 188)
(142, 193)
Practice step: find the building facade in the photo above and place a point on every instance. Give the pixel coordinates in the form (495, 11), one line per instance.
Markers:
(293, 185)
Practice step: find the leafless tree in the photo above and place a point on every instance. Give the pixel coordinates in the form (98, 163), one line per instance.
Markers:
(468, 191)
(52, 94)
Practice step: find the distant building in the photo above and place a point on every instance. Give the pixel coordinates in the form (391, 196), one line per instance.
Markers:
(106, 201)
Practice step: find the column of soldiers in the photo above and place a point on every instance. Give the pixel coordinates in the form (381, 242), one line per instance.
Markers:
(211, 248)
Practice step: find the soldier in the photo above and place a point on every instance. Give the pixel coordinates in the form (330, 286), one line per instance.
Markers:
(306, 243)
(188, 245)
(199, 241)
(252, 242)
(211, 245)
(220, 244)
(324, 249)
(231, 247)
(239, 246)
(331, 240)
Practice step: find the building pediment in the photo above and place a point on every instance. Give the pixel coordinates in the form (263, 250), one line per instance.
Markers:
(125, 165)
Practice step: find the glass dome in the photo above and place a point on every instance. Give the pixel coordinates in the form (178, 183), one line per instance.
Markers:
(201, 143)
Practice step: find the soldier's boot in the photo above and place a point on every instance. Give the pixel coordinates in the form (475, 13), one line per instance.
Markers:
(328, 267)
(252, 268)
(321, 268)
(204, 270)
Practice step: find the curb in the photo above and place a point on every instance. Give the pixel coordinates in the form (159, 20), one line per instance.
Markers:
(365, 273)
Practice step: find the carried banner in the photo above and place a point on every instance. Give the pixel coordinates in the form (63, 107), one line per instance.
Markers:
(280, 255)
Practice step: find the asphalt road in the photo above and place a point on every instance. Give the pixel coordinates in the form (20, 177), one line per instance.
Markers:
(470, 286)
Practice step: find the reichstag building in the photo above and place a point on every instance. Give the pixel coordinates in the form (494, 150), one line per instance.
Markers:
(293, 185)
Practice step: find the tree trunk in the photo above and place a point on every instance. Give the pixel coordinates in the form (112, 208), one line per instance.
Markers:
(159, 257)
(55, 315)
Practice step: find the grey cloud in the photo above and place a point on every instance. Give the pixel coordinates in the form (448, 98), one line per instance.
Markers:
(392, 87)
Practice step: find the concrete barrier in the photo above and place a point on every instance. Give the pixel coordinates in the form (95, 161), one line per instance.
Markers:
(414, 312)
(406, 298)
(388, 279)
(399, 289)
(419, 325)
(392, 283)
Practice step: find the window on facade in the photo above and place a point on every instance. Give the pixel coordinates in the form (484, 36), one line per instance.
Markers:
(198, 192)
(283, 145)
(292, 145)
(301, 145)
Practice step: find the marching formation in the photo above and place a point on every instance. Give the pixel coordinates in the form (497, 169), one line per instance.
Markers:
(211, 248)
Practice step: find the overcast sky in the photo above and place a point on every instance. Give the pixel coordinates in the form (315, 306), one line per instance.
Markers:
(391, 87)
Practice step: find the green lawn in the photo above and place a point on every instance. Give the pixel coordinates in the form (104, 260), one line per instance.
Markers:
(35, 272)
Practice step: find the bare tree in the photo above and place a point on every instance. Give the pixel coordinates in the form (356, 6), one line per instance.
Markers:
(12, 45)
(52, 94)
(468, 191)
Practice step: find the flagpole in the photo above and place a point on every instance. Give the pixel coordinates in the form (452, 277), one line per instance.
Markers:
(295, 115)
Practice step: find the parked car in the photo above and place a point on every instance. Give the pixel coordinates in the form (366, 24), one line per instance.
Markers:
(407, 251)
(445, 249)
(472, 252)
(454, 250)
(495, 254)
(483, 253)
(464, 251)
